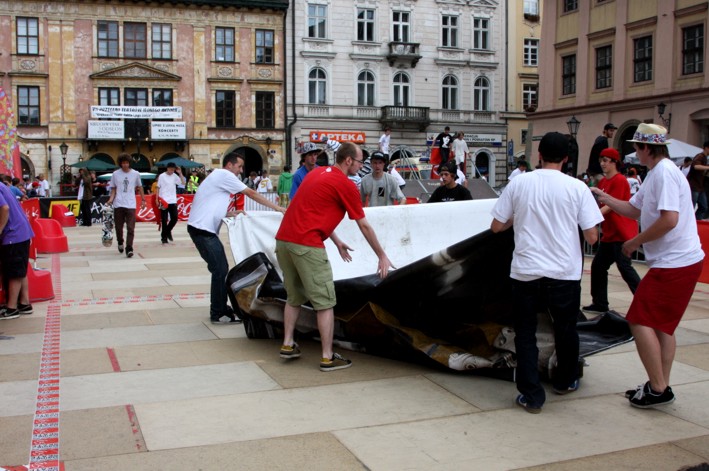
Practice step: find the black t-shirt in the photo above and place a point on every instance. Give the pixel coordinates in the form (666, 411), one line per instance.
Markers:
(444, 139)
(457, 193)
(594, 165)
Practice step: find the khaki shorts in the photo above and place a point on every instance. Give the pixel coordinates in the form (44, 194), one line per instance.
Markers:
(307, 275)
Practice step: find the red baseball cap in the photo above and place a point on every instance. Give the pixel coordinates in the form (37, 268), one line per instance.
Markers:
(611, 153)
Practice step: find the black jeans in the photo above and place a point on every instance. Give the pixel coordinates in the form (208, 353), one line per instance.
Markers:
(166, 231)
(609, 253)
(562, 298)
(211, 250)
(85, 210)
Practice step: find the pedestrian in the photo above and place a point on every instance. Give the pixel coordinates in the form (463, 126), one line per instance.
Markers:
(674, 255)
(522, 167)
(686, 166)
(167, 197)
(385, 141)
(124, 183)
(285, 182)
(546, 209)
(450, 189)
(193, 182)
(264, 184)
(309, 153)
(460, 151)
(323, 199)
(444, 140)
(209, 207)
(85, 196)
(594, 167)
(380, 188)
(615, 230)
(397, 176)
(696, 182)
(43, 190)
(633, 181)
(15, 236)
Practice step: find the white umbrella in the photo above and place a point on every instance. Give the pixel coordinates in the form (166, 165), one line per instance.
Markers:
(678, 151)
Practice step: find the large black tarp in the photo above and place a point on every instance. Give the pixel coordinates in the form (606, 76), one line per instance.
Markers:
(451, 309)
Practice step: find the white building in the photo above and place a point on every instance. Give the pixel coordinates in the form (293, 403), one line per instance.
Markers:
(413, 65)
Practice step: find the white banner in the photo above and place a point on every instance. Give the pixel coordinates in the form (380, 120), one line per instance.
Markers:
(489, 139)
(160, 130)
(137, 112)
(106, 130)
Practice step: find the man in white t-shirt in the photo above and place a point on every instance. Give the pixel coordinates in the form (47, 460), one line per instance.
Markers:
(43, 190)
(546, 209)
(521, 168)
(460, 151)
(167, 196)
(384, 142)
(264, 184)
(209, 207)
(124, 182)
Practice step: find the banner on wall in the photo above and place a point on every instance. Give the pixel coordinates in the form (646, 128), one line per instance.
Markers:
(137, 112)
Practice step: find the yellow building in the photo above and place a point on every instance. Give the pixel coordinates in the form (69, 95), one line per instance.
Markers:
(159, 79)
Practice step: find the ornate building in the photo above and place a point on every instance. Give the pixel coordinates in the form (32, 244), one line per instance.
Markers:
(155, 79)
(413, 65)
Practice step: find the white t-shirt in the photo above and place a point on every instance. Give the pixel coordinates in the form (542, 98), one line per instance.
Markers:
(515, 172)
(634, 185)
(167, 187)
(212, 199)
(548, 208)
(125, 184)
(384, 143)
(665, 188)
(43, 188)
(459, 176)
(460, 148)
(264, 185)
(397, 176)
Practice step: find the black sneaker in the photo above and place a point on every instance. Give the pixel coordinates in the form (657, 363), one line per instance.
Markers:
(230, 319)
(169, 237)
(120, 248)
(25, 309)
(290, 351)
(594, 308)
(164, 241)
(9, 313)
(129, 252)
(524, 404)
(337, 362)
(572, 388)
(631, 392)
(646, 398)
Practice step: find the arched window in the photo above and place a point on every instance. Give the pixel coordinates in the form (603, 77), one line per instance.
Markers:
(401, 89)
(365, 88)
(317, 87)
(450, 93)
(481, 94)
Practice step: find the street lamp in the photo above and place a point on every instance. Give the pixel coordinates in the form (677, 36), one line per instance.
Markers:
(65, 171)
(573, 125)
(660, 111)
(572, 166)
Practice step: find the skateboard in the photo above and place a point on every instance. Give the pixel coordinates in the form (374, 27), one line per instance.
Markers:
(107, 230)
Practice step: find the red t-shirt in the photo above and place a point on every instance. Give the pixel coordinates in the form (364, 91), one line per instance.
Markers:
(617, 228)
(321, 202)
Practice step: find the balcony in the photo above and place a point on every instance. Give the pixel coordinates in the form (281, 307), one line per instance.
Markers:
(405, 116)
(400, 52)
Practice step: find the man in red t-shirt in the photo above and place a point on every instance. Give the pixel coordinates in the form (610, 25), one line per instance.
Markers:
(616, 229)
(320, 204)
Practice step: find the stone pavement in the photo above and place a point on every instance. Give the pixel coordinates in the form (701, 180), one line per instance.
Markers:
(147, 383)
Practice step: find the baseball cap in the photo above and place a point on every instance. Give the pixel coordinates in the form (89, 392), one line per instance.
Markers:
(378, 156)
(611, 154)
(307, 148)
(609, 126)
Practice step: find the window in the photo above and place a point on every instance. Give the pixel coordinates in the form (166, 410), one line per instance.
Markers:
(449, 31)
(568, 75)
(531, 52)
(365, 24)
(604, 67)
(529, 96)
(570, 5)
(264, 46)
(400, 20)
(642, 59)
(162, 97)
(134, 40)
(401, 89)
(109, 96)
(365, 88)
(450, 93)
(107, 35)
(224, 44)
(523, 136)
(481, 94)
(161, 41)
(136, 128)
(531, 7)
(317, 87)
(693, 50)
(27, 36)
(317, 21)
(225, 108)
(481, 33)
(265, 110)
(28, 105)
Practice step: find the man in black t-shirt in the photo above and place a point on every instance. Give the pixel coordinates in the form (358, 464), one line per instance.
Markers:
(449, 189)
(594, 167)
(444, 141)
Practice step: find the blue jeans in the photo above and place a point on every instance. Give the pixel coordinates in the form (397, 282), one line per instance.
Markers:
(608, 253)
(562, 298)
(700, 199)
(212, 251)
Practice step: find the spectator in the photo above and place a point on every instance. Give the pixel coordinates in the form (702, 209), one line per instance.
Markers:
(43, 190)
(444, 141)
(285, 181)
(264, 184)
(449, 190)
(85, 196)
(379, 188)
(521, 168)
(384, 142)
(460, 151)
(594, 167)
(696, 182)
(309, 153)
(633, 181)
(686, 166)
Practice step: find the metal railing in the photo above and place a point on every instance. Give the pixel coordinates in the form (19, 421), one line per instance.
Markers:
(251, 205)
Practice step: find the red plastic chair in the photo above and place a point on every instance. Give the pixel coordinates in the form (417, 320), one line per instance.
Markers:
(63, 216)
(49, 236)
(703, 228)
(40, 285)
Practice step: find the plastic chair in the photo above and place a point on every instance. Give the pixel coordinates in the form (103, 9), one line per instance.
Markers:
(40, 285)
(63, 216)
(49, 236)
(703, 228)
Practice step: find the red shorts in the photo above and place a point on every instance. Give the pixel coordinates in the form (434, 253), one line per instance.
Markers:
(662, 297)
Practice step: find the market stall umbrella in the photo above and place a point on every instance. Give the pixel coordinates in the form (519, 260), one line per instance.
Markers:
(678, 151)
(96, 165)
(180, 162)
(143, 176)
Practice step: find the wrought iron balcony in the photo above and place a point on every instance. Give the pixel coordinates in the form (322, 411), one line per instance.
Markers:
(403, 52)
(401, 116)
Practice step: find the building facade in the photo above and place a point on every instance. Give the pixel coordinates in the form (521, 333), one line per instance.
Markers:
(415, 66)
(156, 79)
(624, 62)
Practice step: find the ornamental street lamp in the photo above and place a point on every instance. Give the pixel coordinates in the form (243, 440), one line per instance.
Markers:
(572, 166)
(661, 111)
(65, 171)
